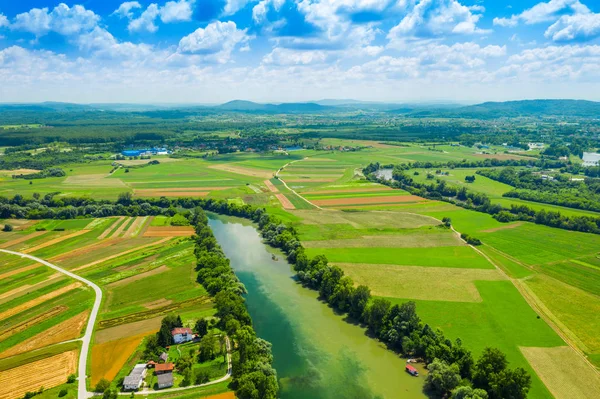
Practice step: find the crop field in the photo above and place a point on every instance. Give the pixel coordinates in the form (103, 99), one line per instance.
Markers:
(46, 373)
(108, 358)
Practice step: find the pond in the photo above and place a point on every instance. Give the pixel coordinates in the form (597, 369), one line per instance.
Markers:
(316, 353)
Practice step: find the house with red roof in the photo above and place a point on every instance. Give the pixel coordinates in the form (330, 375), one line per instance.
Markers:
(182, 335)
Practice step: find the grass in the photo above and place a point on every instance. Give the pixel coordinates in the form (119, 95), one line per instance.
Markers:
(453, 257)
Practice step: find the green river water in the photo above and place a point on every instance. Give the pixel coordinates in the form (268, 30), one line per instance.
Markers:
(316, 353)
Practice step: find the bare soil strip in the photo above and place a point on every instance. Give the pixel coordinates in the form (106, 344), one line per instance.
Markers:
(54, 241)
(137, 277)
(242, 170)
(32, 322)
(12, 294)
(95, 180)
(504, 227)
(84, 250)
(119, 229)
(47, 373)
(65, 331)
(20, 270)
(163, 193)
(308, 180)
(110, 228)
(285, 202)
(21, 239)
(158, 303)
(122, 253)
(133, 228)
(169, 231)
(563, 372)
(349, 191)
(41, 299)
(271, 186)
(8, 172)
(368, 200)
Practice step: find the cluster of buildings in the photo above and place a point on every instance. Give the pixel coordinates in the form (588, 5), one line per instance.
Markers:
(145, 151)
(162, 369)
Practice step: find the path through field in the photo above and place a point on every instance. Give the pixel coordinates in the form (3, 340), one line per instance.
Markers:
(87, 337)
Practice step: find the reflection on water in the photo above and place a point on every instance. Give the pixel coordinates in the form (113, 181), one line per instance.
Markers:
(316, 353)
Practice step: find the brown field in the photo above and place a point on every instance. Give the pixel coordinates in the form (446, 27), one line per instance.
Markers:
(32, 322)
(350, 190)
(109, 357)
(95, 180)
(21, 239)
(110, 228)
(120, 229)
(305, 180)
(55, 241)
(65, 331)
(271, 186)
(96, 262)
(501, 156)
(20, 270)
(243, 170)
(285, 202)
(47, 373)
(418, 282)
(143, 327)
(7, 172)
(391, 241)
(84, 250)
(368, 200)
(169, 231)
(20, 224)
(158, 303)
(17, 292)
(136, 225)
(504, 227)
(137, 277)
(564, 372)
(224, 395)
(169, 193)
(41, 299)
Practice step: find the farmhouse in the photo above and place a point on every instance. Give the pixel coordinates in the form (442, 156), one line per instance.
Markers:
(591, 159)
(165, 380)
(164, 368)
(134, 380)
(182, 335)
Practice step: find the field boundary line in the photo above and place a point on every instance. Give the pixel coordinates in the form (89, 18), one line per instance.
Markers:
(87, 337)
(288, 187)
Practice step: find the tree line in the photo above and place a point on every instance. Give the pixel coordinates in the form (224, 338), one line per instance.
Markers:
(441, 191)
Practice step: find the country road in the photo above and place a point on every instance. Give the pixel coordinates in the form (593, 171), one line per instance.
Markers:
(82, 392)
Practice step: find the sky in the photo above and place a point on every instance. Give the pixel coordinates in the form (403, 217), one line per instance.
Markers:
(213, 51)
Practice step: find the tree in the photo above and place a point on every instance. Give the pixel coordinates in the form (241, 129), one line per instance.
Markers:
(510, 384)
(490, 363)
(201, 327)
(71, 379)
(7, 227)
(110, 394)
(63, 392)
(207, 350)
(359, 300)
(468, 393)
(102, 385)
(376, 314)
(442, 378)
(202, 376)
(469, 179)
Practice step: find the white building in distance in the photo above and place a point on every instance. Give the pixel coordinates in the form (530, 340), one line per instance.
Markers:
(591, 159)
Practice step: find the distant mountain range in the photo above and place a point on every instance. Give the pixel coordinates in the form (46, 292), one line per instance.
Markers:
(487, 110)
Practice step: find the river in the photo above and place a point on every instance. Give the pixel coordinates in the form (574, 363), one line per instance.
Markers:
(316, 353)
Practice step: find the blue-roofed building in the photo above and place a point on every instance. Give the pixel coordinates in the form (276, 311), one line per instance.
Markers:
(131, 153)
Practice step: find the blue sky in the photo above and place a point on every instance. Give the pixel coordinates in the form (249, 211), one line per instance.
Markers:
(210, 51)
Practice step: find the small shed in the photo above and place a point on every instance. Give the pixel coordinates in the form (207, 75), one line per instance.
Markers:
(163, 357)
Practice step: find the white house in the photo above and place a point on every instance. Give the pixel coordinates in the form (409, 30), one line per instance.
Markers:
(134, 380)
(182, 335)
(591, 159)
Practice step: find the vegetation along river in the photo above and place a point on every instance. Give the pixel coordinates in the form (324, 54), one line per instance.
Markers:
(316, 353)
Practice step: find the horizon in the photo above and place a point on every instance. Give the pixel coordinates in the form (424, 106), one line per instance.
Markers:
(281, 51)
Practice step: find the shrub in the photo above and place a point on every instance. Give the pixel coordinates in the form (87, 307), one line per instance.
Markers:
(63, 392)
(7, 227)
(71, 379)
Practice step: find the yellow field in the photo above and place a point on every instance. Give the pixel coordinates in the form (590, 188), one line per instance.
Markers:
(564, 372)
(109, 357)
(46, 373)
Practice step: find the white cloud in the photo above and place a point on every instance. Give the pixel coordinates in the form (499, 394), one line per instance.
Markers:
(175, 11)
(62, 19)
(574, 27)
(233, 6)
(431, 19)
(543, 12)
(125, 9)
(281, 56)
(145, 22)
(259, 11)
(102, 44)
(218, 40)
(3, 21)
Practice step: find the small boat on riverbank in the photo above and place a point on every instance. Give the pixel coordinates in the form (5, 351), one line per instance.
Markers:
(411, 370)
